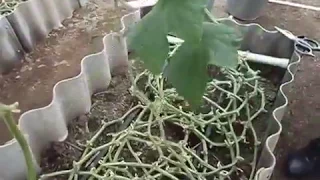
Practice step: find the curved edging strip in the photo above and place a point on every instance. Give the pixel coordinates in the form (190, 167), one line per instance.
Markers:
(11, 50)
(267, 160)
(31, 22)
(72, 97)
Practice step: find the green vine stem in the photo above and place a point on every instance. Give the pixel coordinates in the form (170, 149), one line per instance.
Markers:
(172, 158)
(7, 7)
(6, 113)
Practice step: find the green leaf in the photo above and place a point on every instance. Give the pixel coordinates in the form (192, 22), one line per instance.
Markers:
(224, 56)
(204, 43)
(187, 69)
(148, 41)
(184, 18)
(222, 45)
(187, 72)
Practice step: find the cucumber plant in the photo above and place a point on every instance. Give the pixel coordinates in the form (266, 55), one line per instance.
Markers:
(206, 42)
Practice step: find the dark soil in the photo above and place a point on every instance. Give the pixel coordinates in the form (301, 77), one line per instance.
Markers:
(112, 104)
(108, 105)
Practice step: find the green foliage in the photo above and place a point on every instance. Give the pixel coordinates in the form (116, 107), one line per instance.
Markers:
(204, 43)
(149, 41)
(222, 43)
(6, 113)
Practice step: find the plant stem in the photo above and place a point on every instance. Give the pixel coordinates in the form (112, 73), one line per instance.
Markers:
(127, 154)
(210, 16)
(6, 113)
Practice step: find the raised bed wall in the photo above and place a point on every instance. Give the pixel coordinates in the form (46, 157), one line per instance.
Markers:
(30, 22)
(49, 123)
(11, 51)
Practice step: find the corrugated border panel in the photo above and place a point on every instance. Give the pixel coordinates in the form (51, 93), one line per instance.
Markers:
(272, 43)
(71, 97)
(32, 21)
(11, 51)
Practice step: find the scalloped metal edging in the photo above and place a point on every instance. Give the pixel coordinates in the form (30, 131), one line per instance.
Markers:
(31, 21)
(72, 97)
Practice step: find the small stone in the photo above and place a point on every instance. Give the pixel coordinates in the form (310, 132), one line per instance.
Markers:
(64, 62)
(41, 65)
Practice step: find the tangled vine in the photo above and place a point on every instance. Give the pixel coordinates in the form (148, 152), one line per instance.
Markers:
(7, 6)
(162, 138)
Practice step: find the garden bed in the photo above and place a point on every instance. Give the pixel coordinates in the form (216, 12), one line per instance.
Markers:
(67, 105)
(110, 106)
(57, 57)
(106, 106)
